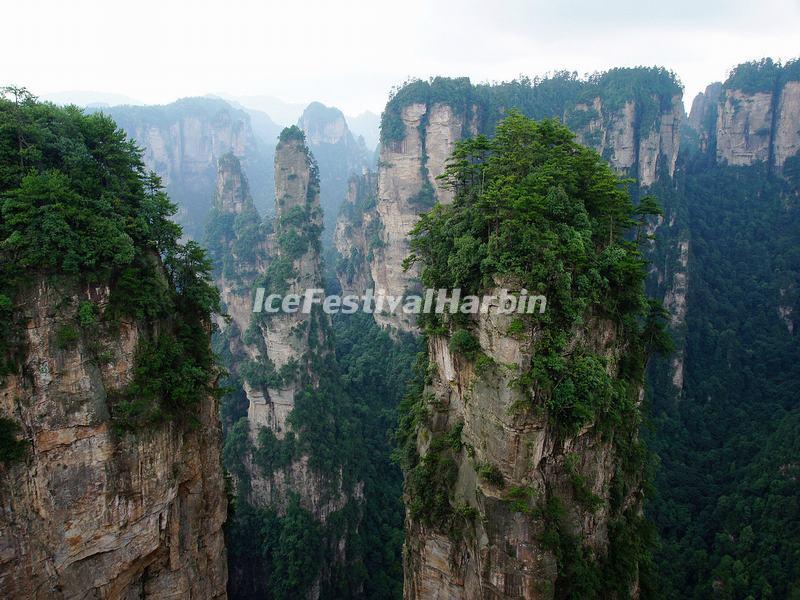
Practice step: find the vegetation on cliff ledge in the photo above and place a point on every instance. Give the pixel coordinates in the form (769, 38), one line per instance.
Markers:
(76, 205)
(652, 89)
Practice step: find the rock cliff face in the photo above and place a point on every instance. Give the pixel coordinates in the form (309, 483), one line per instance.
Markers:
(703, 115)
(339, 156)
(508, 465)
(675, 301)
(286, 336)
(93, 513)
(752, 117)
(632, 144)
(236, 242)
(787, 131)
(183, 141)
(357, 234)
(744, 127)
(406, 188)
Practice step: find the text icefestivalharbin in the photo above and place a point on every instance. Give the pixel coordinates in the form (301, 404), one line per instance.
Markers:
(433, 301)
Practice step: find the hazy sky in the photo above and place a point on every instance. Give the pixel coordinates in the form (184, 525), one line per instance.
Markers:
(350, 53)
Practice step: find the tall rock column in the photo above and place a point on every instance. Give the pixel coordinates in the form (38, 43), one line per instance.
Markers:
(291, 466)
(519, 438)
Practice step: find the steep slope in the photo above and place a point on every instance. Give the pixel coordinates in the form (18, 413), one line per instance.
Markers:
(182, 142)
(111, 481)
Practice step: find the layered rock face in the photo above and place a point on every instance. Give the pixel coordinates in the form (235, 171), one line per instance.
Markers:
(630, 144)
(183, 141)
(787, 132)
(93, 513)
(508, 464)
(406, 187)
(744, 128)
(756, 114)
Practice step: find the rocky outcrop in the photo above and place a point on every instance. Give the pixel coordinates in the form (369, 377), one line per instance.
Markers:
(753, 117)
(92, 512)
(630, 144)
(408, 185)
(703, 114)
(236, 243)
(675, 301)
(744, 127)
(787, 126)
(324, 125)
(183, 141)
(399, 180)
(444, 127)
(506, 464)
(338, 154)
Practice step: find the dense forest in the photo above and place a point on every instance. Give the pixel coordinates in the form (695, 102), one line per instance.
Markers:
(727, 502)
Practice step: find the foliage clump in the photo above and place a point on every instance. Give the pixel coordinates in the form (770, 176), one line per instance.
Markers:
(765, 75)
(75, 201)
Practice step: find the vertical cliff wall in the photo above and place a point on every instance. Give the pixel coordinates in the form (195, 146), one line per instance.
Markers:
(757, 110)
(93, 512)
(635, 137)
(110, 477)
(407, 186)
(507, 468)
(357, 234)
(632, 117)
(519, 439)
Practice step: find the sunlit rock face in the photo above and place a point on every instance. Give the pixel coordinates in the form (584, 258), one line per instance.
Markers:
(506, 462)
(93, 513)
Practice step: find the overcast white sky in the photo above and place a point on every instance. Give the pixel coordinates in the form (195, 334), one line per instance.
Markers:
(350, 53)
